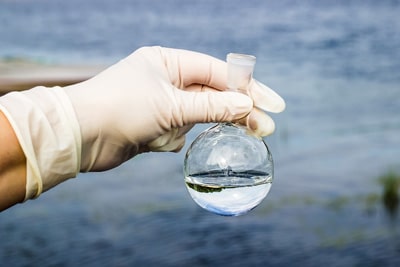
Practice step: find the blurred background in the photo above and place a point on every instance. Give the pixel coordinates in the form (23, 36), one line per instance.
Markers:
(335, 196)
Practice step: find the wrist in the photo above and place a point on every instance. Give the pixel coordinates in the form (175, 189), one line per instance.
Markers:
(47, 130)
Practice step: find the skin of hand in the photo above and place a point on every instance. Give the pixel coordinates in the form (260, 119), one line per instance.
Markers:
(12, 166)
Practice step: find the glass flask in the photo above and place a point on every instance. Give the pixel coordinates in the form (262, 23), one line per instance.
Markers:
(228, 169)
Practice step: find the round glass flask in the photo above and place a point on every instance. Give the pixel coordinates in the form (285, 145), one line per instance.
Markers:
(228, 169)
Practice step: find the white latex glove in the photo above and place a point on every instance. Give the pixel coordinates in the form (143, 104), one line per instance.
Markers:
(146, 102)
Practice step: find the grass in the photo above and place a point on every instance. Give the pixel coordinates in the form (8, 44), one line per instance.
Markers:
(390, 194)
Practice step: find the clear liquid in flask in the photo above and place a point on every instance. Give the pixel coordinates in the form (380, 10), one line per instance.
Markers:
(228, 169)
(228, 194)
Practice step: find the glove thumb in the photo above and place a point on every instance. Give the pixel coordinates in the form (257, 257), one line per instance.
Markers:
(204, 107)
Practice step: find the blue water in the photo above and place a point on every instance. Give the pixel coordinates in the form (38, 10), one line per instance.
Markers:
(336, 63)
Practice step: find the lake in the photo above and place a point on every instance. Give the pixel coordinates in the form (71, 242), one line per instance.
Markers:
(337, 65)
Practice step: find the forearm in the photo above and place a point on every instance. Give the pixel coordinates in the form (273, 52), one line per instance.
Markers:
(12, 166)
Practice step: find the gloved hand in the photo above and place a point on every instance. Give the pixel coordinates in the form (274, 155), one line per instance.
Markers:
(145, 102)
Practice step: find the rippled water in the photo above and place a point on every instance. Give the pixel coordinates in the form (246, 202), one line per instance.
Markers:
(336, 63)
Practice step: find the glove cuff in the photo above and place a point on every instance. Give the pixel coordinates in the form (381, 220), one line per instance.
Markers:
(47, 129)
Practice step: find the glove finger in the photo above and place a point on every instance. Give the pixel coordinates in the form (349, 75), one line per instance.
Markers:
(188, 67)
(202, 107)
(259, 122)
(265, 98)
(172, 141)
(174, 146)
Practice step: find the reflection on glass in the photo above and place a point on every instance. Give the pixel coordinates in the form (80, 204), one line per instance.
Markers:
(228, 170)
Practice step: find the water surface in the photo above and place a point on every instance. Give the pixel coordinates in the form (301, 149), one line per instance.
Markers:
(336, 63)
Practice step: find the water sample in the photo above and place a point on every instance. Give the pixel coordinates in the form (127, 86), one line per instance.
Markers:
(229, 170)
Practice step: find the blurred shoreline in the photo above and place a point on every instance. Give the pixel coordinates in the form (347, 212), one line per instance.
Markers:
(20, 74)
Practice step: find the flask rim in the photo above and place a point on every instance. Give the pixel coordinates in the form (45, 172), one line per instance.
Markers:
(241, 59)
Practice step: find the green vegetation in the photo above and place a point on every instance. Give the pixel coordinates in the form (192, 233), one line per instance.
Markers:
(390, 195)
(204, 189)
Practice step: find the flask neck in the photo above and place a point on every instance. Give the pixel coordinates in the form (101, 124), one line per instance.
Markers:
(240, 71)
